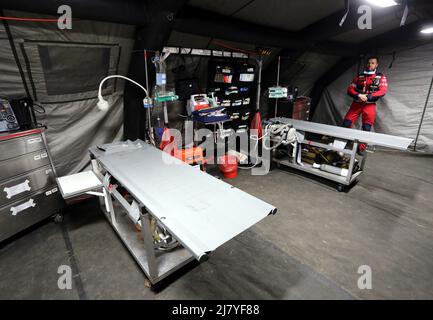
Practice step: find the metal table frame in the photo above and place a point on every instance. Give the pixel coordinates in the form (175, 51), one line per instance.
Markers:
(198, 223)
(156, 267)
(346, 181)
(338, 133)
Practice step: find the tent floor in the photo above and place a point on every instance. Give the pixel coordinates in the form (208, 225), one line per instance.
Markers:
(311, 249)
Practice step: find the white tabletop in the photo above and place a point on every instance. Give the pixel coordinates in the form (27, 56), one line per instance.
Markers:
(201, 211)
(78, 183)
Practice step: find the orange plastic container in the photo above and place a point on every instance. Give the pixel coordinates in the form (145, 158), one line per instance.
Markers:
(190, 155)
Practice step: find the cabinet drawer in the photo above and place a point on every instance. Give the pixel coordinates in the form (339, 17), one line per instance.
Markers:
(26, 184)
(18, 146)
(21, 214)
(19, 165)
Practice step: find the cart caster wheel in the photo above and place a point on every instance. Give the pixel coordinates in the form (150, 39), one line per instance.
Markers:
(58, 218)
(148, 284)
(152, 287)
(274, 165)
(340, 188)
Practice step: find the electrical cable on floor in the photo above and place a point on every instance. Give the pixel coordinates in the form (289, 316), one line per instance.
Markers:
(74, 265)
(255, 148)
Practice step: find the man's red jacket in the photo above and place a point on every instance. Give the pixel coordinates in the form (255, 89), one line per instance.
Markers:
(374, 85)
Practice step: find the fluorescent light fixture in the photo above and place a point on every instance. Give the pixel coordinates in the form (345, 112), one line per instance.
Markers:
(383, 3)
(427, 30)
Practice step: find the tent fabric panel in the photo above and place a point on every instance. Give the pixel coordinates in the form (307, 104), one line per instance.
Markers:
(73, 120)
(399, 112)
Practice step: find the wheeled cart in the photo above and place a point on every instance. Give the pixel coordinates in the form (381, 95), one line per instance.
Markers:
(345, 141)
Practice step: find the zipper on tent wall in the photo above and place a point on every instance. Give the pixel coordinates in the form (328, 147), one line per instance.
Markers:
(15, 54)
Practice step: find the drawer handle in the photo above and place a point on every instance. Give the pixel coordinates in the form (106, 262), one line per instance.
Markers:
(34, 140)
(22, 207)
(40, 156)
(17, 189)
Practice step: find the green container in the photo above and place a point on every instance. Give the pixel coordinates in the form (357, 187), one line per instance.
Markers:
(168, 96)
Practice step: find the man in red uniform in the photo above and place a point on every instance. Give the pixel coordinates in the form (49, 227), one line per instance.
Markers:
(366, 89)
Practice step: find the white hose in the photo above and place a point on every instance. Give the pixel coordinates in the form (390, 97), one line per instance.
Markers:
(255, 147)
(119, 76)
(287, 136)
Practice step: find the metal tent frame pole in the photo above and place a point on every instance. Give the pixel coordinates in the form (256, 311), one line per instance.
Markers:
(423, 114)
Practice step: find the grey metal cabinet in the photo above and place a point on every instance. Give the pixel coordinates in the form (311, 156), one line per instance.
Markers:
(28, 188)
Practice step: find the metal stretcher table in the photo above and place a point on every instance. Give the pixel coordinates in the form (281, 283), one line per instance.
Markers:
(342, 136)
(198, 210)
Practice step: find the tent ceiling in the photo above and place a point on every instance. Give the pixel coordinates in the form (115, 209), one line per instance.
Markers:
(187, 40)
(380, 26)
(286, 24)
(288, 15)
(313, 20)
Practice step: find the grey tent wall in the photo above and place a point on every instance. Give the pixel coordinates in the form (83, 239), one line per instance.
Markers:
(399, 112)
(302, 70)
(73, 119)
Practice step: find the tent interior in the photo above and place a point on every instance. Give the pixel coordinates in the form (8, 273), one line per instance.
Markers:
(313, 246)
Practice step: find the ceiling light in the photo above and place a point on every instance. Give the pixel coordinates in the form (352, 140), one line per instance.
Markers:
(427, 30)
(383, 3)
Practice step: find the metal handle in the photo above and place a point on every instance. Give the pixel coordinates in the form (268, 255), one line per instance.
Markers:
(17, 189)
(23, 206)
